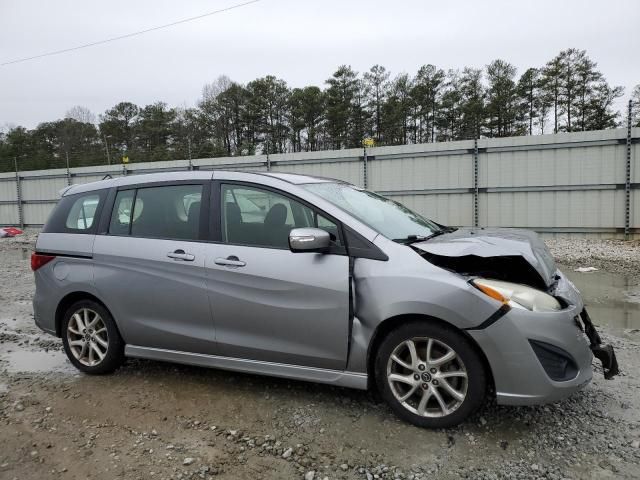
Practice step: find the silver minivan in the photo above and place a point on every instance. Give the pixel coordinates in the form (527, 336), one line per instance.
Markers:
(311, 279)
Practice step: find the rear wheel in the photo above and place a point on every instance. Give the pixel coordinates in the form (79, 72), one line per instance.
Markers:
(91, 339)
(430, 375)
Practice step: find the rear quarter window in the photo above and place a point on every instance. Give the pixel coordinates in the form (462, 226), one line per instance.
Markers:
(77, 213)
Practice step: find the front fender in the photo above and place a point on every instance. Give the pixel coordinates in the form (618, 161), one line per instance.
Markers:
(407, 285)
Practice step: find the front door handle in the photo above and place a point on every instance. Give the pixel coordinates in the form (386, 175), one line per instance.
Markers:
(181, 255)
(230, 261)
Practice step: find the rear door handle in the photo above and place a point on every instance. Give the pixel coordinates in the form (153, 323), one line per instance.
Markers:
(230, 261)
(181, 255)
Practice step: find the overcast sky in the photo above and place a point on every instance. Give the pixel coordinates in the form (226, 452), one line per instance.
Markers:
(300, 41)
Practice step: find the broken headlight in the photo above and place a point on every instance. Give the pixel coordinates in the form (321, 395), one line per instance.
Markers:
(517, 296)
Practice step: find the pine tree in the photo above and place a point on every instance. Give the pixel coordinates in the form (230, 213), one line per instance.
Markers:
(117, 126)
(306, 116)
(472, 107)
(598, 112)
(397, 111)
(551, 84)
(376, 87)
(449, 116)
(528, 91)
(343, 100)
(426, 95)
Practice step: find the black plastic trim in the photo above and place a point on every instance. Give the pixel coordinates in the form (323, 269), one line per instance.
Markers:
(370, 251)
(64, 255)
(105, 217)
(497, 315)
(557, 363)
(163, 183)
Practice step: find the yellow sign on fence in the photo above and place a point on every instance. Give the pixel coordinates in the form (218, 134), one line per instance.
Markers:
(125, 159)
(368, 142)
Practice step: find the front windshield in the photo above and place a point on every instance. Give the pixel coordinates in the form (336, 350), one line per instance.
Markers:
(390, 218)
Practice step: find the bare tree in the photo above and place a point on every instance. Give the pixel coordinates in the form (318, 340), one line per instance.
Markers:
(81, 114)
(211, 90)
(635, 106)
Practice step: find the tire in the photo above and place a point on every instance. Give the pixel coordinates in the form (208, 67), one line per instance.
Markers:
(455, 386)
(98, 349)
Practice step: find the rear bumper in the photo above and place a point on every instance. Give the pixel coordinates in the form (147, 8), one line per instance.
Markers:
(45, 301)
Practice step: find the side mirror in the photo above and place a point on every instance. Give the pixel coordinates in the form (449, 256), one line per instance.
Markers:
(309, 240)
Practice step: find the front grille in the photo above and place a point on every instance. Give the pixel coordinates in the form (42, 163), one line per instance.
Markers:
(558, 364)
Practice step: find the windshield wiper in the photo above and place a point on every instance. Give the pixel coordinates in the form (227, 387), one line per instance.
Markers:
(409, 239)
(442, 231)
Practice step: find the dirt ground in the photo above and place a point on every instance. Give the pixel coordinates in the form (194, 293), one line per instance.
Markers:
(157, 420)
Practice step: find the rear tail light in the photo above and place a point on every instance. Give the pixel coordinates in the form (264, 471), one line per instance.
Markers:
(38, 260)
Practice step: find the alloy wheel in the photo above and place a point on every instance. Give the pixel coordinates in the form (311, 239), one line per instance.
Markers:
(427, 377)
(87, 337)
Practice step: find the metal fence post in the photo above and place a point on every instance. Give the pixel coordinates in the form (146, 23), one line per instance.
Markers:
(19, 194)
(475, 181)
(106, 147)
(627, 184)
(268, 163)
(365, 167)
(68, 171)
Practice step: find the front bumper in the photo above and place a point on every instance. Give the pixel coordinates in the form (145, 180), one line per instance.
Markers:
(518, 372)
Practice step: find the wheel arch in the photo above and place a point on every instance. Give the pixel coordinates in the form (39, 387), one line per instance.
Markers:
(71, 298)
(391, 323)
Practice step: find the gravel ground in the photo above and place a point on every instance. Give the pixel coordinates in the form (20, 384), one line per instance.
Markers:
(156, 420)
(615, 256)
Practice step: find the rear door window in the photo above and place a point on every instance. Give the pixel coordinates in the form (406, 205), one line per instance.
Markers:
(169, 212)
(121, 213)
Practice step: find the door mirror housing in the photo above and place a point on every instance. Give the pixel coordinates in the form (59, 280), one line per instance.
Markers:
(309, 240)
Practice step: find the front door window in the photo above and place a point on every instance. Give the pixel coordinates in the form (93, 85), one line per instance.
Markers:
(263, 218)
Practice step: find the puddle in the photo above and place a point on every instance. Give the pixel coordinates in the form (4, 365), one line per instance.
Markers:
(25, 361)
(612, 300)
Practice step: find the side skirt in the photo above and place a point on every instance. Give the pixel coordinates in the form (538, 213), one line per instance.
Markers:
(296, 372)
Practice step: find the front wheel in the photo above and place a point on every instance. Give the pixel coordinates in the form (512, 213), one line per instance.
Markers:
(91, 339)
(430, 375)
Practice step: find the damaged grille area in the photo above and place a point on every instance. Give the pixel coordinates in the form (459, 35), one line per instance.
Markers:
(507, 268)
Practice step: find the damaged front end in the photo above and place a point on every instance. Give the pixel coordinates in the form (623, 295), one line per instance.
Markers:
(602, 352)
(518, 257)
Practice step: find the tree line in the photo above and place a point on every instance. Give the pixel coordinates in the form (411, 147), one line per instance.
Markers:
(566, 94)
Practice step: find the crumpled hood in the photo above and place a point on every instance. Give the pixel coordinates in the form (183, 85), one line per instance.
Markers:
(494, 242)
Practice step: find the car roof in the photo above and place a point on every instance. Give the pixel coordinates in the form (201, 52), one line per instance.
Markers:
(298, 179)
(180, 175)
